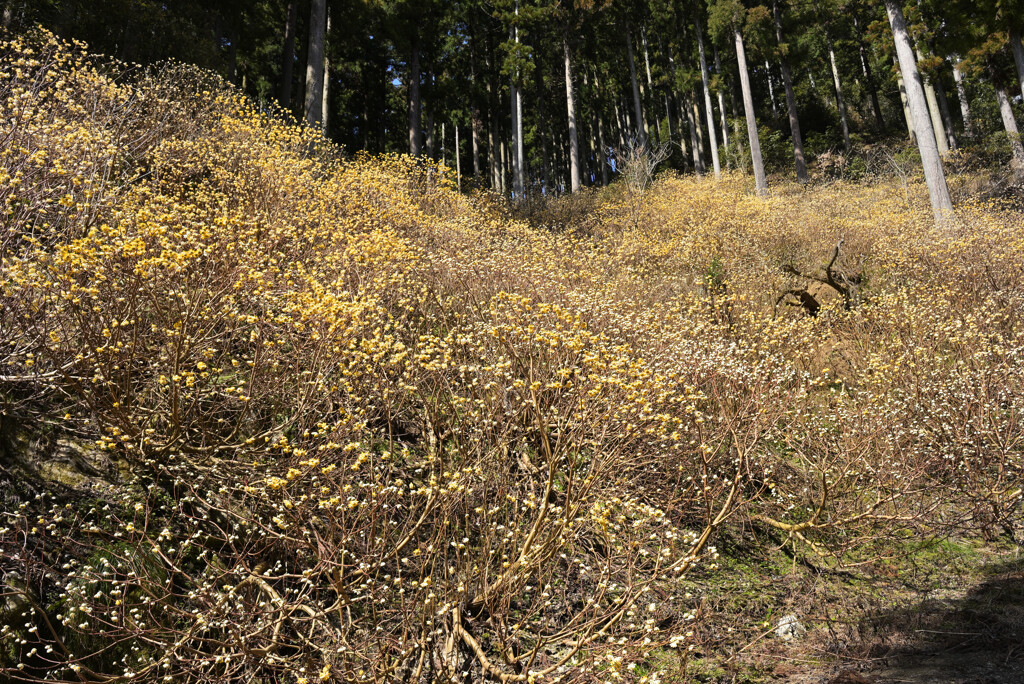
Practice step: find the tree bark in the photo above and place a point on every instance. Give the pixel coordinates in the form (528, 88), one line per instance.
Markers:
(935, 177)
(313, 109)
(701, 140)
(760, 180)
(602, 153)
(712, 136)
(542, 130)
(794, 119)
(493, 154)
(288, 57)
(839, 93)
(513, 112)
(570, 105)
(620, 125)
(326, 98)
(458, 160)
(865, 67)
(905, 102)
(641, 128)
(684, 123)
(698, 161)
(1018, 56)
(947, 117)
(648, 95)
(961, 94)
(429, 142)
(477, 127)
(1010, 124)
(771, 89)
(520, 150)
(721, 107)
(519, 180)
(415, 101)
(933, 111)
(493, 157)
(602, 147)
(737, 134)
(503, 176)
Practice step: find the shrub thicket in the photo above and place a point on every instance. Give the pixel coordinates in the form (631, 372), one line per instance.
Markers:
(369, 429)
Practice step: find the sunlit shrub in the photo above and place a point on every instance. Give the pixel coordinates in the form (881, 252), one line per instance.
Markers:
(367, 428)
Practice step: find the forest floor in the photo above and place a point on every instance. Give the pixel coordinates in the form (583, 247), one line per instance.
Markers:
(950, 614)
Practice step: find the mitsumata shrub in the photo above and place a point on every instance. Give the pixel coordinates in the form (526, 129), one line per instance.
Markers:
(370, 429)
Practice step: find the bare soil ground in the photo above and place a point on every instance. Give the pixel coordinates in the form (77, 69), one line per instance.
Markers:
(962, 635)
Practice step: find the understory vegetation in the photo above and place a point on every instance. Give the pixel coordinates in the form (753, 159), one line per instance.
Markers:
(275, 414)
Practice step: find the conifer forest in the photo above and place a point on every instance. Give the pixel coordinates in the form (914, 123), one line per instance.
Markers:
(517, 341)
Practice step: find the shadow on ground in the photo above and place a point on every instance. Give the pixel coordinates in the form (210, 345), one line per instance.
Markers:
(976, 639)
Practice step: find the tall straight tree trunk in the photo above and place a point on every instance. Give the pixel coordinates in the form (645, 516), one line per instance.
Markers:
(839, 92)
(543, 173)
(458, 160)
(721, 107)
(760, 180)
(288, 56)
(684, 124)
(771, 88)
(513, 113)
(701, 140)
(947, 117)
(517, 122)
(602, 147)
(647, 59)
(233, 52)
(705, 78)
(741, 153)
(698, 160)
(570, 105)
(619, 125)
(493, 154)
(961, 94)
(545, 155)
(1010, 124)
(641, 132)
(865, 67)
(933, 111)
(313, 110)
(415, 101)
(678, 102)
(649, 96)
(505, 171)
(493, 158)
(1018, 55)
(669, 121)
(431, 130)
(326, 98)
(787, 82)
(905, 102)
(520, 149)
(477, 127)
(591, 168)
(934, 175)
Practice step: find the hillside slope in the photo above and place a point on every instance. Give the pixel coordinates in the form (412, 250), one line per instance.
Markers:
(274, 414)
